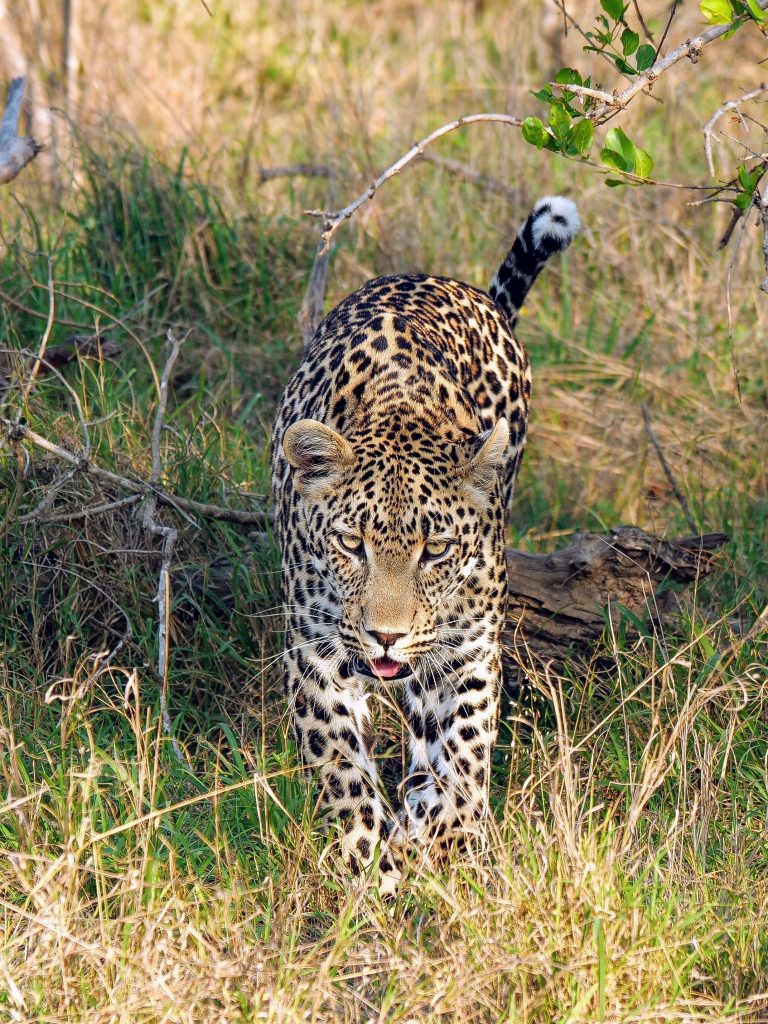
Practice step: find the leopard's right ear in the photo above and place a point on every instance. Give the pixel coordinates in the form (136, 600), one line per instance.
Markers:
(317, 456)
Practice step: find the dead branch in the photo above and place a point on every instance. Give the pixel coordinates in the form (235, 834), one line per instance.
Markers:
(17, 432)
(479, 178)
(730, 105)
(168, 535)
(15, 151)
(294, 171)
(332, 220)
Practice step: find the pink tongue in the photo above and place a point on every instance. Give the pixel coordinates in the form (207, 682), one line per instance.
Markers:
(385, 668)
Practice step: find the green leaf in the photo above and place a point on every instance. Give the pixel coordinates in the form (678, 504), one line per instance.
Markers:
(614, 160)
(618, 143)
(646, 55)
(614, 182)
(581, 136)
(534, 132)
(757, 12)
(629, 41)
(743, 201)
(643, 163)
(613, 8)
(568, 76)
(717, 12)
(545, 95)
(559, 120)
(744, 179)
(621, 64)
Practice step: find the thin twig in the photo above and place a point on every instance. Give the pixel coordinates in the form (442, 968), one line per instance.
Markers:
(730, 105)
(641, 19)
(332, 220)
(690, 48)
(169, 536)
(680, 497)
(668, 26)
(294, 171)
(80, 513)
(468, 173)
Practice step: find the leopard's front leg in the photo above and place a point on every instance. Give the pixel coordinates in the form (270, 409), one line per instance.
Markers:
(452, 725)
(332, 724)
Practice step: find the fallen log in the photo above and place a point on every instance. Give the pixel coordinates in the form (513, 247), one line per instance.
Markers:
(559, 603)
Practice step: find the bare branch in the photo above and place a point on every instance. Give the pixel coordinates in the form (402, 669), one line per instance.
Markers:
(15, 151)
(583, 90)
(21, 432)
(294, 171)
(691, 48)
(80, 513)
(641, 19)
(730, 105)
(472, 175)
(332, 220)
(168, 535)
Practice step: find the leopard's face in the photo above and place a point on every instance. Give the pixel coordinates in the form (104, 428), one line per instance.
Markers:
(410, 544)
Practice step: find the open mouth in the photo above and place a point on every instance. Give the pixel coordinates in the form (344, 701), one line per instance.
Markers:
(382, 668)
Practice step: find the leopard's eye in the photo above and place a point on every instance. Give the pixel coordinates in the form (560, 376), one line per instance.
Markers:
(351, 543)
(436, 548)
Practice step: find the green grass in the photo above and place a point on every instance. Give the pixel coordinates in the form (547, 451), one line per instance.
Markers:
(624, 877)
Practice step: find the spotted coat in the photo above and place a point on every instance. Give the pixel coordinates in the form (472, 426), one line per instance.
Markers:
(395, 452)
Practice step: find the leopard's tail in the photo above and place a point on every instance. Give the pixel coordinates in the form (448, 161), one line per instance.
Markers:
(549, 228)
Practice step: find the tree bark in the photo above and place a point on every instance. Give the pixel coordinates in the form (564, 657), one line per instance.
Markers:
(559, 603)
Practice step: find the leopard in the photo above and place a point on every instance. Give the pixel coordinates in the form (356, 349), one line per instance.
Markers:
(395, 450)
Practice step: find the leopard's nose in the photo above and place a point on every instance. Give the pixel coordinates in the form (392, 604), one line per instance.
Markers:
(385, 639)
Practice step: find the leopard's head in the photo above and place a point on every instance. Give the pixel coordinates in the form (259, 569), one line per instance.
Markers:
(407, 529)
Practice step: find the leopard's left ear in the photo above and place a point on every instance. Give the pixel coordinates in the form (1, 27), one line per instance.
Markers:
(318, 456)
(484, 467)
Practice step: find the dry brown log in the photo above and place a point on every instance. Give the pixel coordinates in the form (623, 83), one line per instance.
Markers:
(557, 602)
